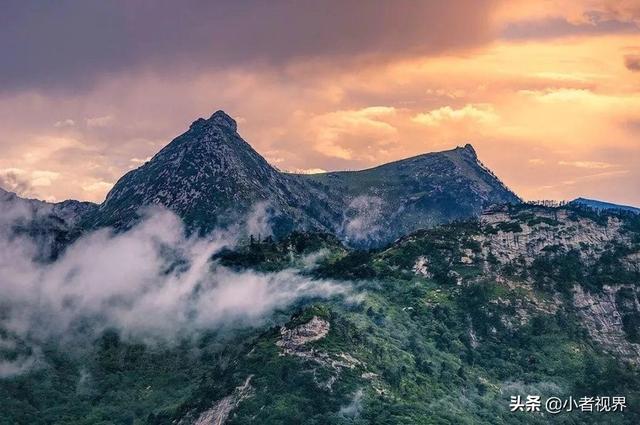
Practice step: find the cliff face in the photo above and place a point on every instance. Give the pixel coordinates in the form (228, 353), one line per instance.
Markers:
(538, 230)
(604, 316)
(557, 259)
(535, 237)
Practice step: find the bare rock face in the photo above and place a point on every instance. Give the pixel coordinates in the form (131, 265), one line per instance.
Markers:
(220, 411)
(292, 340)
(602, 317)
(511, 237)
(523, 236)
(421, 267)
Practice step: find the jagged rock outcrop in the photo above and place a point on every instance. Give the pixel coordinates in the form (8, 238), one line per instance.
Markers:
(549, 257)
(293, 342)
(526, 235)
(211, 178)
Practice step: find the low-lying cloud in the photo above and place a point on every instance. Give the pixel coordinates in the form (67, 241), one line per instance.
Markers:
(151, 283)
(363, 219)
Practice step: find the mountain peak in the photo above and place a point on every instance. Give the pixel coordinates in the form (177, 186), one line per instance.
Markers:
(212, 178)
(470, 150)
(222, 119)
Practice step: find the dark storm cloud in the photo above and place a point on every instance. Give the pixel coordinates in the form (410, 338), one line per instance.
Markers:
(68, 44)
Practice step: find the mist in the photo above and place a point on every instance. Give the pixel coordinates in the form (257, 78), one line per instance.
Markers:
(152, 283)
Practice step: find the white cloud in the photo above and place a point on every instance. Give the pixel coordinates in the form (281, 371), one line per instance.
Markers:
(41, 178)
(97, 186)
(363, 219)
(595, 177)
(561, 95)
(308, 171)
(481, 113)
(139, 161)
(64, 123)
(23, 182)
(341, 134)
(587, 164)
(102, 121)
(151, 283)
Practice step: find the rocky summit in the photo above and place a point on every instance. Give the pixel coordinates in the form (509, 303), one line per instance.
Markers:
(212, 178)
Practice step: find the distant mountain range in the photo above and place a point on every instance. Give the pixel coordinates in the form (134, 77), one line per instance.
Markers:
(603, 206)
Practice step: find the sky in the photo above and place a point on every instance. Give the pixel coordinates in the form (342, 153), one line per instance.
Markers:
(548, 92)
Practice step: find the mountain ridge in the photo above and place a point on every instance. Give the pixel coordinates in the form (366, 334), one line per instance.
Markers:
(212, 177)
(603, 205)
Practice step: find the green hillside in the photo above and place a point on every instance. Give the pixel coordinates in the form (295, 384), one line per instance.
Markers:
(441, 327)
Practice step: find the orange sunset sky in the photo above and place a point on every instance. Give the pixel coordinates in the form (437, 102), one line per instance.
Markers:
(548, 92)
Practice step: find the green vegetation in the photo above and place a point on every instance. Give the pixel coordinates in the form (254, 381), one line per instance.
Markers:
(447, 346)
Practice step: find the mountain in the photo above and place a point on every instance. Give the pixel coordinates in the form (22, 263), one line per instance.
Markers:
(456, 320)
(212, 178)
(447, 326)
(69, 211)
(476, 299)
(50, 226)
(601, 205)
(386, 202)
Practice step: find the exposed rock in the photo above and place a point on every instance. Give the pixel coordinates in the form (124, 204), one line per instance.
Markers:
(421, 267)
(369, 375)
(601, 316)
(292, 340)
(455, 276)
(511, 237)
(220, 411)
(473, 338)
